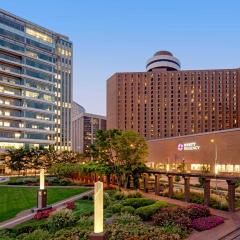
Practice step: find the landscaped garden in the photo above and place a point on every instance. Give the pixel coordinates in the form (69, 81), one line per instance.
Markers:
(128, 216)
(118, 156)
(16, 199)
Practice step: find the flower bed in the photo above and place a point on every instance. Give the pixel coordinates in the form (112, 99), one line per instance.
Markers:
(205, 223)
(70, 205)
(43, 214)
(198, 211)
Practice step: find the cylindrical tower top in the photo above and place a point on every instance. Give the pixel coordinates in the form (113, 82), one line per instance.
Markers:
(163, 60)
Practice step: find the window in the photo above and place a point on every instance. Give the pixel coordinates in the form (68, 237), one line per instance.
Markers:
(39, 35)
(9, 22)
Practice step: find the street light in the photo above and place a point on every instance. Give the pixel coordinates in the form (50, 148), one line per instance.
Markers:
(215, 159)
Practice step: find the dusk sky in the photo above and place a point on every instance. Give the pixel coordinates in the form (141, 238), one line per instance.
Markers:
(114, 36)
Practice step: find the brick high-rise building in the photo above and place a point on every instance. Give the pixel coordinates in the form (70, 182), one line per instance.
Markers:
(166, 101)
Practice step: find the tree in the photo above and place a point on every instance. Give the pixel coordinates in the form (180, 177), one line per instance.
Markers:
(37, 158)
(103, 152)
(63, 170)
(17, 159)
(131, 149)
(121, 153)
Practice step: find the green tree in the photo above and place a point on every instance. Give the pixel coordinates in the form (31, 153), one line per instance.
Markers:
(120, 153)
(131, 149)
(63, 170)
(17, 159)
(103, 152)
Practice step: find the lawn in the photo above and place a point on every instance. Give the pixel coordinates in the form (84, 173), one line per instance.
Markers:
(84, 207)
(16, 199)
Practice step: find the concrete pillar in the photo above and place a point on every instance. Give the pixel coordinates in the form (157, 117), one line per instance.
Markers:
(170, 186)
(207, 189)
(157, 184)
(145, 182)
(231, 195)
(187, 189)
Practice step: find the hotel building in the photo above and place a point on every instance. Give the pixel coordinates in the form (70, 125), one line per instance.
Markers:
(84, 129)
(166, 103)
(35, 85)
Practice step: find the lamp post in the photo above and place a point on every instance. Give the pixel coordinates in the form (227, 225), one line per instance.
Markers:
(215, 159)
(42, 192)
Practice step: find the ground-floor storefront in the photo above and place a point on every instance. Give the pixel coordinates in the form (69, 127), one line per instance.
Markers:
(215, 152)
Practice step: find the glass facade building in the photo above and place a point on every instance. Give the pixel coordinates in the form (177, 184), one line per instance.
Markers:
(35, 85)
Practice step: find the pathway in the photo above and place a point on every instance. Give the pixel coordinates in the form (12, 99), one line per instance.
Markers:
(27, 214)
(235, 235)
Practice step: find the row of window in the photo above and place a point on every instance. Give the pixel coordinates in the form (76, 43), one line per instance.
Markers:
(40, 75)
(39, 35)
(12, 35)
(17, 124)
(11, 23)
(19, 48)
(39, 65)
(28, 83)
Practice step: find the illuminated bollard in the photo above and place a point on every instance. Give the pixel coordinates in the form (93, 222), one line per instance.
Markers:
(98, 233)
(42, 192)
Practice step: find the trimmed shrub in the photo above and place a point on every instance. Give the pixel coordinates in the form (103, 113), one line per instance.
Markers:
(128, 209)
(205, 223)
(198, 211)
(138, 202)
(38, 234)
(147, 212)
(116, 208)
(61, 219)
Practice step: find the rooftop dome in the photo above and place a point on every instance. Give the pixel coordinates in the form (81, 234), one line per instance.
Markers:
(163, 53)
(163, 60)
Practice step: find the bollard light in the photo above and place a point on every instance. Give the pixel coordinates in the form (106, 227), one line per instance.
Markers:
(42, 179)
(98, 207)
(98, 233)
(41, 192)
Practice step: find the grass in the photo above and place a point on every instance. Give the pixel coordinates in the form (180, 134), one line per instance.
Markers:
(16, 199)
(84, 207)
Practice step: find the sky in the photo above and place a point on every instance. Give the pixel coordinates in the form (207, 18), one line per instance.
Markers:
(121, 35)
